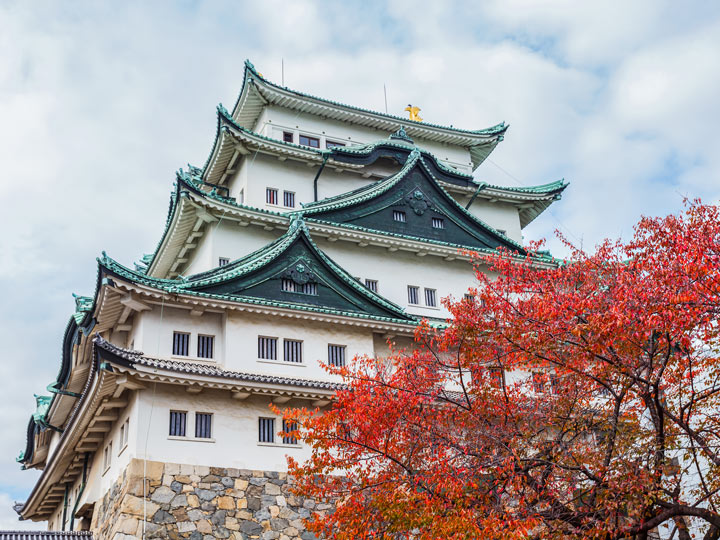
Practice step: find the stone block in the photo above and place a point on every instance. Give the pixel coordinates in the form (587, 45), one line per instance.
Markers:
(186, 526)
(172, 469)
(241, 484)
(272, 489)
(241, 503)
(178, 500)
(232, 524)
(226, 503)
(192, 500)
(127, 525)
(204, 526)
(136, 506)
(251, 528)
(243, 514)
(163, 495)
(280, 500)
(201, 470)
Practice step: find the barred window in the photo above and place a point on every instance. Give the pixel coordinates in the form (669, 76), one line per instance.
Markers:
(266, 430)
(309, 288)
(336, 355)
(470, 297)
(288, 136)
(538, 382)
(333, 144)
(203, 425)
(267, 348)
(181, 342)
(178, 420)
(438, 223)
(205, 346)
(430, 298)
(312, 142)
(288, 427)
(222, 261)
(287, 285)
(292, 350)
(271, 196)
(399, 215)
(289, 199)
(413, 293)
(371, 284)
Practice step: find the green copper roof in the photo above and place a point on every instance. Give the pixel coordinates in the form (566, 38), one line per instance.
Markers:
(497, 129)
(557, 185)
(42, 405)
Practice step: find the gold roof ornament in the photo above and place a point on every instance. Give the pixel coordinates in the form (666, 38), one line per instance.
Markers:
(414, 116)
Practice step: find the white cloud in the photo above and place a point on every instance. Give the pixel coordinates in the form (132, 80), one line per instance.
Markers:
(100, 103)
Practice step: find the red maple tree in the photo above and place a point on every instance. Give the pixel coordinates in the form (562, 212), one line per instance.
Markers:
(572, 400)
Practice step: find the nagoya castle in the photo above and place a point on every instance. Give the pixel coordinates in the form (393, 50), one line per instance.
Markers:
(315, 231)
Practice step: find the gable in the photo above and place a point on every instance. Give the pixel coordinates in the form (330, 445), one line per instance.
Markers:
(420, 200)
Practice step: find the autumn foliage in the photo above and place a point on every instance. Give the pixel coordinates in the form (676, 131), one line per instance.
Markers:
(571, 400)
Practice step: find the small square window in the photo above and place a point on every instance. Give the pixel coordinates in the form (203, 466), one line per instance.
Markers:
(470, 298)
(292, 350)
(289, 199)
(267, 348)
(271, 196)
(288, 427)
(205, 347)
(312, 142)
(413, 293)
(333, 144)
(178, 421)
(181, 342)
(399, 216)
(266, 430)
(336, 355)
(372, 284)
(438, 223)
(203, 425)
(288, 136)
(430, 298)
(222, 261)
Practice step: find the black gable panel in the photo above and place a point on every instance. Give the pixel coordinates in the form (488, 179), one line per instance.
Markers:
(300, 276)
(417, 206)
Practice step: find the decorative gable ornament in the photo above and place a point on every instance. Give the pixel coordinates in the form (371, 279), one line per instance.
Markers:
(418, 202)
(300, 273)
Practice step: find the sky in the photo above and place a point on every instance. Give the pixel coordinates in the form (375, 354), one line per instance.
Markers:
(100, 102)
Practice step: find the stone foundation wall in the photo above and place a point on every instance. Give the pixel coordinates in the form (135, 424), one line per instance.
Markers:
(197, 502)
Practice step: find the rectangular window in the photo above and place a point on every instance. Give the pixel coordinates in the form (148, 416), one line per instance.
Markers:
(222, 261)
(107, 456)
(538, 382)
(271, 196)
(438, 223)
(287, 285)
(554, 383)
(430, 298)
(309, 288)
(469, 297)
(267, 348)
(288, 427)
(496, 377)
(288, 136)
(181, 342)
(312, 142)
(241, 197)
(124, 434)
(292, 350)
(205, 346)
(413, 293)
(333, 144)
(203, 425)
(399, 215)
(266, 430)
(336, 355)
(178, 420)
(289, 199)
(371, 284)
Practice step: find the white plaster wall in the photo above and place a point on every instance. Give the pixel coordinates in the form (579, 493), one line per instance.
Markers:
(159, 323)
(498, 215)
(244, 329)
(234, 429)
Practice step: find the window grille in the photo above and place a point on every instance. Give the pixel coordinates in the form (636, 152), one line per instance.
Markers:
(205, 346)
(371, 284)
(203, 425)
(413, 293)
(266, 430)
(538, 382)
(430, 298)
(271, 196)
(267, 348)
(399, 215)
(312, 142)
(292, 350)
(333, 144)
(222, 261)
(309, 288)
(289, 199)
(470, 297)
(438, 223)
(288, 427)
(287, 285)
(554, 383)
(181, 342)
(288, 136)
(178, 420)
(336, 355)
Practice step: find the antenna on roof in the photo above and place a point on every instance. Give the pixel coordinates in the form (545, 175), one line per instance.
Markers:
(282, 70)
(385, 91)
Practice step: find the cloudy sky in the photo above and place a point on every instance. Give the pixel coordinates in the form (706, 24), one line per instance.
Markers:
(100, 102)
